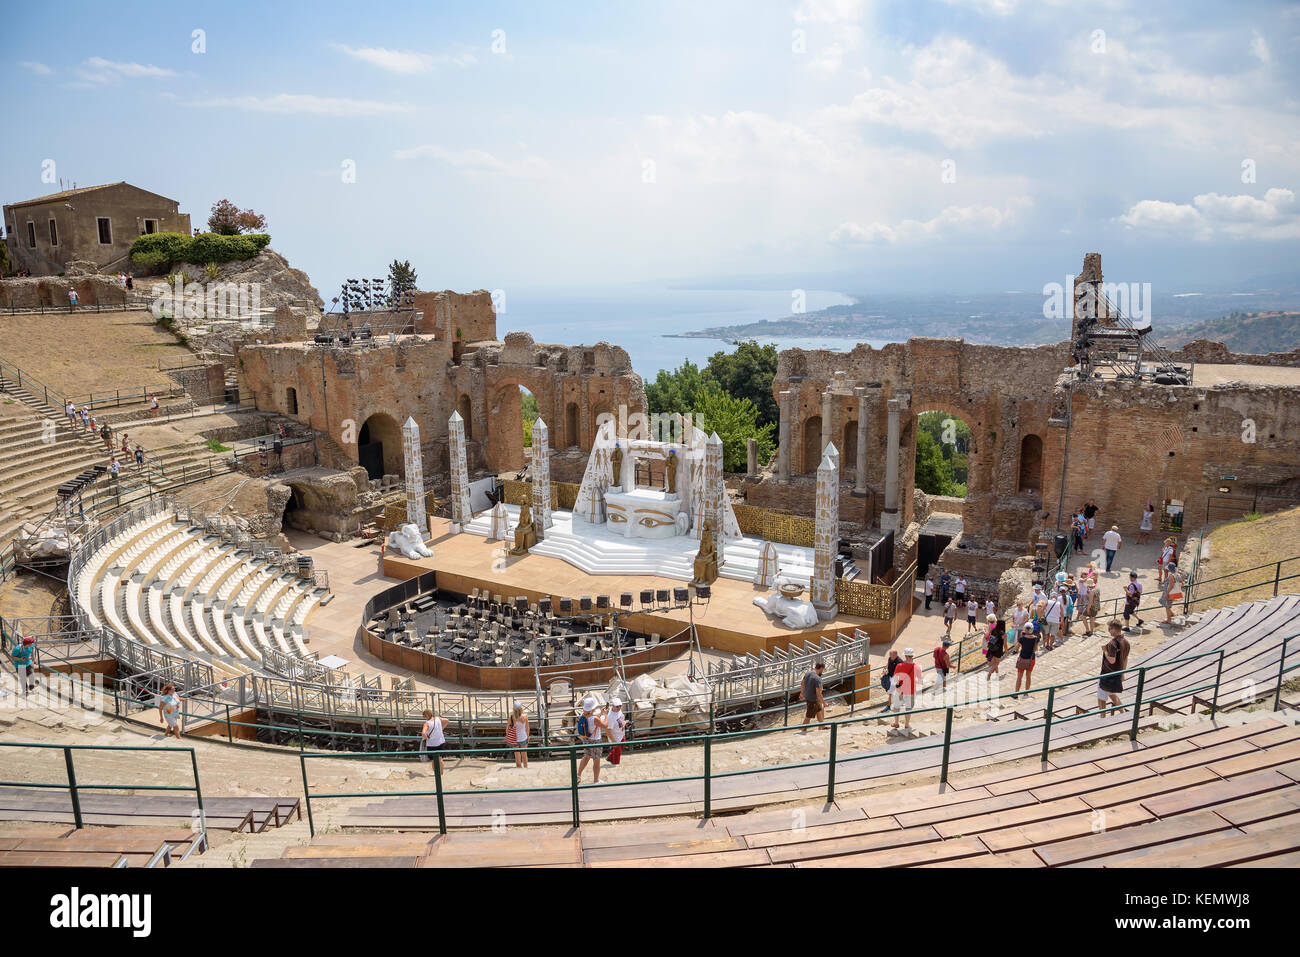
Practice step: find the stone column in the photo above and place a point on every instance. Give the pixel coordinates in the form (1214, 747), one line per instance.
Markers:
(826, 537)
(860, 479)
(828, 413)
(889, 518)
(783, 437)
(414, 476)
(460, 512)
(541, 469)
(751, 453)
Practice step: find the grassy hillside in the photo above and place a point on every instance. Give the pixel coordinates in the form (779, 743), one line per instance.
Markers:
(1238, 546)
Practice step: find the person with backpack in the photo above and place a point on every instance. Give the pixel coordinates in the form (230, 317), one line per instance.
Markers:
(1027, 640)
(942, 664)
(590, 730)
(1053, 612)
(997, 647)
(907, 685)
(617, 722)
(433, 737)
(1171, 591)
(887, 676)
(1132, 597)
(517, 734)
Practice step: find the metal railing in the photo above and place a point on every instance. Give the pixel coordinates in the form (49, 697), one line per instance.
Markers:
(1050, 721)
(75, 787)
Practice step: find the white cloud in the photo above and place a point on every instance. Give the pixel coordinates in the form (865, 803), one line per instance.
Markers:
(1215, 216)
(402, 61)
(830, 11)
(100, 71)
(40, 69)
(475, 160)
(303, 103)
(952, 221)
(1259, 49)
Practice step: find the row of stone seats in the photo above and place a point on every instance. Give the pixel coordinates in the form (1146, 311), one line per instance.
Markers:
(172, 584)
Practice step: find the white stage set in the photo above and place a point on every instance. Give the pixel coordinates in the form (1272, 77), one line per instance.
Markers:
(622, 526)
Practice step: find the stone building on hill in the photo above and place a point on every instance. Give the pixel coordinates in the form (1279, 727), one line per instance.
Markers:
(94, 224)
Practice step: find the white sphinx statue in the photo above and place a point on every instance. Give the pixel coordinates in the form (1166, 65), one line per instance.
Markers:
(784, 604)
(407, 541)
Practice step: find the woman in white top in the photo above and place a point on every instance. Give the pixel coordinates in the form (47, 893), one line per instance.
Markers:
(432, 737)
(1085, 606)
(519, 725)
(1019, 616)
(1165, 560)
(1148, 518)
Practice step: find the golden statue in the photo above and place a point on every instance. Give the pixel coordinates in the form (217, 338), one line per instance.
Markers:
(525, 532)
(616, 459)
(706, 561)
(670, 473)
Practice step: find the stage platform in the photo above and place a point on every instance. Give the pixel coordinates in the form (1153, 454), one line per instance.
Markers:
(730, 623)
(597, 550)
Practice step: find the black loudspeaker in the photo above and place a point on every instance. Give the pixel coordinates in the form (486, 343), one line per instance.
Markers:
(584, 603)
(648, 597)
(602, 602)
(625, 600)
(681, 596)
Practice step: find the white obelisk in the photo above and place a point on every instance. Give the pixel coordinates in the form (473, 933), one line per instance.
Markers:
(414, 475)
(541, 469)
(460, 513)
(826, 538)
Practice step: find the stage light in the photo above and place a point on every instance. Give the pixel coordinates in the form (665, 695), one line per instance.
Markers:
(584, 603)
(648, 597)
(521, 604)
(625, 600)
(602, 602)
(703, 591)
(544, 606)
(566, 606)
(681, 596)
(661, 596)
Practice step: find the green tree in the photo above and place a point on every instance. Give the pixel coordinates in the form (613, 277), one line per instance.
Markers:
(528, 407)
(952, 436)
(747, 373)
(735, 419)
(933, 471)
(400, 276)
(229, 220)
(675, 391)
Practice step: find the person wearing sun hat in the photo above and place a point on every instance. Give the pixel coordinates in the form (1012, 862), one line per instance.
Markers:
(590, 729)
(617, 723)
(1111, 543)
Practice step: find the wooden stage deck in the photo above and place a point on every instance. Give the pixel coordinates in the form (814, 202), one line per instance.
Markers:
(731, 622)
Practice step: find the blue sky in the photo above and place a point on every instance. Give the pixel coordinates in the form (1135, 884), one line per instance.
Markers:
(971, 145)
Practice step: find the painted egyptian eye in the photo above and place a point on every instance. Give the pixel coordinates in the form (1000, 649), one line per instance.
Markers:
(617, 517)
(649, 522)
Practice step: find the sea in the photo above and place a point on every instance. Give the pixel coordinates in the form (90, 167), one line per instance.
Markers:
(645, 320)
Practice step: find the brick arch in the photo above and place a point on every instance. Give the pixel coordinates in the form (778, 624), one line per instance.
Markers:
(380, 429)
(812, 444)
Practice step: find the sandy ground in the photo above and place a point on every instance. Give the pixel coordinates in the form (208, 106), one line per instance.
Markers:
(90, 352)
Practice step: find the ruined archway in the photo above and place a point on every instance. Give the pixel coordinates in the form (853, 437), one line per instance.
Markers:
(941, 444)
(1031, 466)
(379, 446)
(571, 419)
(466, 413)
(849, 449)
(812, 444)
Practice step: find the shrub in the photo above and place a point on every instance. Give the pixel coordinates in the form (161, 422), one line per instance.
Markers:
(211, 270)
(163, 250)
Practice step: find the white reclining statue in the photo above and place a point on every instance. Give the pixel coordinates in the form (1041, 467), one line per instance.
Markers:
(406, 539)
(792, 612)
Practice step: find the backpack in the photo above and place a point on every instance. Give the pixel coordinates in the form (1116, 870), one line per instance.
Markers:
(583, 727)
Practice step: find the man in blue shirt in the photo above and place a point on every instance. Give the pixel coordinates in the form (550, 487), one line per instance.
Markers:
(23, 655)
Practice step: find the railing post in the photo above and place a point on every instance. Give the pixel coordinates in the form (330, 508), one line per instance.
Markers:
(300, 731)
(1137, 704)
(72, 788)
(1277, 577)
(708, 777)
(830, 774)
(198, 791)
(947, 746)
(785, 716)
(1047, 721)
(306, 792)
(437, 786)
(573, 784)
(1281, 670)
(1218, 676)
(229, 737)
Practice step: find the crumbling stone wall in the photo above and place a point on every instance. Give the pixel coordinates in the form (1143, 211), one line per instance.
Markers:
(1207, 350)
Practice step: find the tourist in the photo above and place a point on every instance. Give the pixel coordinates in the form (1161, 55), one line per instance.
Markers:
(517, 734)
(93, 426)
(433, 737)
(1071, 596)
(23, 655)
(139, 456)
(1079, 528)
(990, 606)
(1132, 597)
(70, 411)
(996, 647)
(1090, 517)
(959, 590)
(887, 675)
(113, 468)
(1145, 526)
(106, 433)
(72, 299)
(1114, 659)
(972, 612)
(590, 728)
(1171, 591)
(1087, 596)
(1037, 597)
(126, 445)
(929, 589)
(1053, 612)
(130, 280)
(121, 279)
(1019, 619)
(907, 682)
(810, 689)
(153, 406)
(617, 722)
(1112, 543)
(1168, 555)
(942, 664)
(990, 622)
(85, 416)
(1027, 641)
(949, 615)
(169, 711)
(945, 583)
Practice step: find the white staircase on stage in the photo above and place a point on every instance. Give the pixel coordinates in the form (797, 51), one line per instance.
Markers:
(598, 551)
